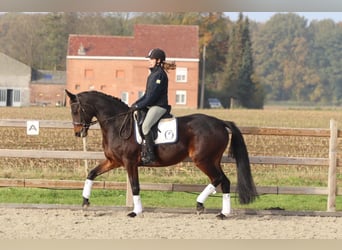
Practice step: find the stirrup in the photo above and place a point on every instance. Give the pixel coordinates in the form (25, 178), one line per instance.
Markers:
(147, 159)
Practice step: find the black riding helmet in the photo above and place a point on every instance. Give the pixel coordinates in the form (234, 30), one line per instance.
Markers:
(157, 54)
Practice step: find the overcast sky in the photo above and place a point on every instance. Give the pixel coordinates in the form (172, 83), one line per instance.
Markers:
(264, 16)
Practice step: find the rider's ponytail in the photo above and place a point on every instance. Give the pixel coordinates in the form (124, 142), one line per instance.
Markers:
(169, 65)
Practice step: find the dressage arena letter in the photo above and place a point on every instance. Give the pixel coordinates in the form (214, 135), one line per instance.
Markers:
(32, 127)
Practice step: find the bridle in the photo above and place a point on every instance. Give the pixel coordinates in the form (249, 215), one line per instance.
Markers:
(85, 125)
(128, 120)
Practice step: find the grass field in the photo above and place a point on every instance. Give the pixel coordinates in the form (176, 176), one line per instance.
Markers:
(264, 175)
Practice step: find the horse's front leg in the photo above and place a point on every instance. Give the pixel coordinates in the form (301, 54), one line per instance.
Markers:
(103, 167)
(133, 176)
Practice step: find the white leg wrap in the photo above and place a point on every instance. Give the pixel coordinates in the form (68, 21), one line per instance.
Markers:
(87, 188)
(210, 189)
(225, 204)
(137, 204)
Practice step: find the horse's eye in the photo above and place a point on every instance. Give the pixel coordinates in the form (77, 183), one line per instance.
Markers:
(74, 110)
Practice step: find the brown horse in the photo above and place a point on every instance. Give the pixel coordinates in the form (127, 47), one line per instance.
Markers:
(201, 137)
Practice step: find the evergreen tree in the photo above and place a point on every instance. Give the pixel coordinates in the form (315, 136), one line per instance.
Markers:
(240, 84)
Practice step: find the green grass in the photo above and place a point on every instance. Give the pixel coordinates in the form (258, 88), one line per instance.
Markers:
(162, 199)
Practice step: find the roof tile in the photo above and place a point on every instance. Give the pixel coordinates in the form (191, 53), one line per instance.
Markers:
(178, 41)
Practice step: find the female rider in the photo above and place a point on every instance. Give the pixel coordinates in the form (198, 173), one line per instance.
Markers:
(154, 100)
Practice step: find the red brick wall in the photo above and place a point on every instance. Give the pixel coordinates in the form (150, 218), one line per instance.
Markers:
(131, 78)
(48, 94)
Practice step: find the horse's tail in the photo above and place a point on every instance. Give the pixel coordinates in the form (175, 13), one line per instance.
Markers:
(238, 150)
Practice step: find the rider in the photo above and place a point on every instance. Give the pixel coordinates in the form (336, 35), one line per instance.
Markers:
(155, 100)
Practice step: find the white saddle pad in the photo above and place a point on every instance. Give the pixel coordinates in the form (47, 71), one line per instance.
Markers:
(167, 131)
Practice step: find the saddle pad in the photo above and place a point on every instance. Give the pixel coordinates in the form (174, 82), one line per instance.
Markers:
(167, 131)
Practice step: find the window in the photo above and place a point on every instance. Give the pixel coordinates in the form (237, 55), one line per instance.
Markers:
(120, 74)
(140, 93)
(10, 97)
(3, 97)
(181, 74)
(124, 97)
(88, 73)
(16, 96)
(181, 97)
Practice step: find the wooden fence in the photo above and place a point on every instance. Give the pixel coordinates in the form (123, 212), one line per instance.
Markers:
(332, 162)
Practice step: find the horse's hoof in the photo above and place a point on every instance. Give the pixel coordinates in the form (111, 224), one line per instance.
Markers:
(221, 216)
(85, 203)
(200, 208)
(132, 214)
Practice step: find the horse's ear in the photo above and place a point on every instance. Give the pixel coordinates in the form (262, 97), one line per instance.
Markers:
(71, 95)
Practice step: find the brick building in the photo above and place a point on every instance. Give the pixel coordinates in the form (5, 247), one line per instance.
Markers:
(20, 85)
(47, 88)
(117, 65)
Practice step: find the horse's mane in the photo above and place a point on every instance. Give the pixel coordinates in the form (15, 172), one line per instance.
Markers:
(106, 96)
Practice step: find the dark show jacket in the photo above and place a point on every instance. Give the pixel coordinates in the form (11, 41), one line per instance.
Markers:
(156, 90)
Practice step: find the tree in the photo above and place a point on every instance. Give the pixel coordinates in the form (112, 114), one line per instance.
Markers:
(285, 57)
(325, 58)
(19, 37)
(55, 34)
(240, 82)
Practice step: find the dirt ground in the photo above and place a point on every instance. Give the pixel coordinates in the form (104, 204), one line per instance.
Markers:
(69, 223)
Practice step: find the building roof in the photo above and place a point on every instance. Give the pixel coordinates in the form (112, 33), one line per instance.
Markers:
(178, 41)
(48, 77)
(12, 67)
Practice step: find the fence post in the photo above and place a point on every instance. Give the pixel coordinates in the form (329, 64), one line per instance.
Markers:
(129, 196)
(331, 205)
(84, 140)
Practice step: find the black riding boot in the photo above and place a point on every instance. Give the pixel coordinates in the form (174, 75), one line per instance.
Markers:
(147, 155)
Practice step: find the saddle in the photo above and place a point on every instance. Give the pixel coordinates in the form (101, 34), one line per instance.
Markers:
(164, 131)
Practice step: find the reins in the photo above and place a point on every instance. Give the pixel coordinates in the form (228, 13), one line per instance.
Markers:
(128, 120)
(124, 133)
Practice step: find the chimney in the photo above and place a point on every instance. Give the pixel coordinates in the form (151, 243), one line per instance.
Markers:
(81, 51)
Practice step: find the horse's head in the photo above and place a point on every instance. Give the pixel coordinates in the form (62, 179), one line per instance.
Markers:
(81, 119)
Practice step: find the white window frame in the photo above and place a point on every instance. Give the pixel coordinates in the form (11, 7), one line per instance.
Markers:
(3, 97)
(140, 94)
(181, 97)
(125, 97)
(16, 97)
(181, 75)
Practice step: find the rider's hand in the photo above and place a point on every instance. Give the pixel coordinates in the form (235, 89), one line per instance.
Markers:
(134, 108)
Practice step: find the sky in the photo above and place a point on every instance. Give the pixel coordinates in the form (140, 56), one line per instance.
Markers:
(265, 16)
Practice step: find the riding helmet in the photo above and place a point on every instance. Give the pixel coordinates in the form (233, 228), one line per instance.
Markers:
(157, 54)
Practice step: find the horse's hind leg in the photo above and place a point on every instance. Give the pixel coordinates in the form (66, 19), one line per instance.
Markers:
(208, 190)
(225, 186)
(217, 177)
(103, 167)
